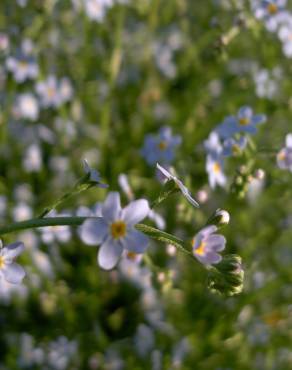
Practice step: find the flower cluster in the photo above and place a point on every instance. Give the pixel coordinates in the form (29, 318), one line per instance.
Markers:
(277, 19)
(228, 140)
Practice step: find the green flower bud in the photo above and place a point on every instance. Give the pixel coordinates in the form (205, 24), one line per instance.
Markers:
(219, 218)
(226, 277)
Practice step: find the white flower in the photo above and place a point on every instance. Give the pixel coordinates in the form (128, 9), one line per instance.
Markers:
(32, 161)
(181, 186)
(9, 270)
(22, 68)
(96, 9)
(214, 168)
(115, 230)
(27, 107)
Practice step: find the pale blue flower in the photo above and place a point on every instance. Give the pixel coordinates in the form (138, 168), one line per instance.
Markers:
(233, 147)
(206, 244)
(53, 93)
(214, 168)
(22, 67)
(9, 270)
(161, 147)
(115, 230)
(272, 12)
(284, 157)
(244, 121)
(94, 175)
(213, 144)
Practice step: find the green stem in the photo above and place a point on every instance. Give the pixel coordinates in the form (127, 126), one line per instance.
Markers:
(76, 221)
(42, 222)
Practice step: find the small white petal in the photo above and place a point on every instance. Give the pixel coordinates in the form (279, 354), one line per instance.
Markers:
(289, 140)
(135, 212)
(13, 273)
(93, 231)
(135, 241)
(109, 253)
(111, 208)
(187, 194)
(167, 174)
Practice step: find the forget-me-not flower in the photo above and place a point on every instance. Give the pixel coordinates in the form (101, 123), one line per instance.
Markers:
(271, 12)
(213, 144)
(9, 270)
(244, 121)
(161, 147)
(214, 168)
(22, 67)
(233, 147)
(284, 157)
(93, 174)
(115, 230)
(206, 244)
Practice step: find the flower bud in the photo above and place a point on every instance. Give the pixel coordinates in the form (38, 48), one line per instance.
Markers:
(259, 174)
(219, 218)
(226, 277)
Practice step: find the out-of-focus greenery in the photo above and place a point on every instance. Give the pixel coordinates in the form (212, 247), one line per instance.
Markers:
(146, 64)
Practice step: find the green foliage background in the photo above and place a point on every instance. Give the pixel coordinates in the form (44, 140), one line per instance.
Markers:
(118, 89)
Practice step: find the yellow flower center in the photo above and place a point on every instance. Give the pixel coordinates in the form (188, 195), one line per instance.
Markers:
(51, 92)
(118, 229)
(235, 149)
(131, 256)
(201, 249)
(2, 262)
(243, 121)
(281, 156)
(272, 8)
(216, 167)
(23, 65)
(162, 145)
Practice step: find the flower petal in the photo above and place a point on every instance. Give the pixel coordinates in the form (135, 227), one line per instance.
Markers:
(109, 253)
(12, 250)
(13, 273)
(245, 112)
(208, 230)
(135, 241)
(167, 174)
(209, 258)
(216, 242)
(289, 140)
(186, 193)
(135, 211)
(93, 231)
(111, 208)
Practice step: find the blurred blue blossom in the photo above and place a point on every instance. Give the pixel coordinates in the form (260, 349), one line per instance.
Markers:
(233, 147)
(214, 168)
(161, 147)
(54, 93)
(23, 67)
(26, 107)
(284, 156)
(244, 121)
(9, 270)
